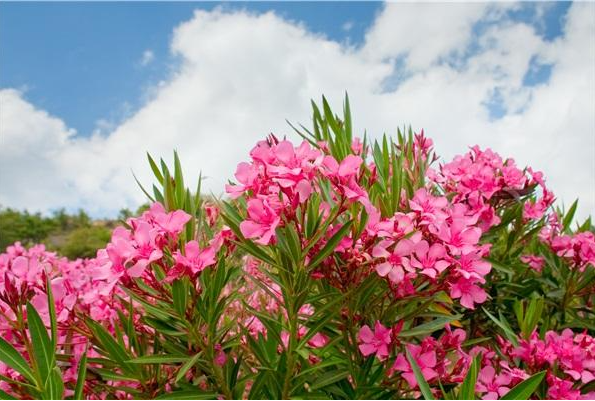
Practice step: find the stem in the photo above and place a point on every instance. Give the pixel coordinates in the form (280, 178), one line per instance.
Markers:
(292, 320)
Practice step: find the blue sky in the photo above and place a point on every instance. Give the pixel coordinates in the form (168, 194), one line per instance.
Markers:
(83, 61)
(502, 75)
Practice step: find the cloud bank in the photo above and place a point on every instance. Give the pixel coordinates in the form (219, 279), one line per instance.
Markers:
(441, 67)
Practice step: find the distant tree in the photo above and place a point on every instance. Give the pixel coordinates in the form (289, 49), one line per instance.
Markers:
(24, 227)
(83, 242)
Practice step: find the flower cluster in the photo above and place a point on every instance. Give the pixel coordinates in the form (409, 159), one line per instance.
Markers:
(567, 358)
(483, 180)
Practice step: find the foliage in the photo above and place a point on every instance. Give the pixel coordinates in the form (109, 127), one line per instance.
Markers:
(338, 268)
(72, 235)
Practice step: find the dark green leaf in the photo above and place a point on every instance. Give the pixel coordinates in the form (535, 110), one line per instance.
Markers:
(42, 345)
(80, 380)
(158, 359)
(11, 357)
(525, 389)
(330, 246)
(467, 391)
(329, 378)
(419, 377)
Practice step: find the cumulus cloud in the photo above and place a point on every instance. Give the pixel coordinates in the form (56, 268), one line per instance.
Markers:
(242, 74)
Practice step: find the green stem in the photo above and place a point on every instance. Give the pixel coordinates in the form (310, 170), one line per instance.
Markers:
(292, 320)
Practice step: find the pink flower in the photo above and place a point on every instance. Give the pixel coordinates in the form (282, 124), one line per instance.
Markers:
(469, 293)
(246, 174)
(262, 221)
(429, 259)
(172, 223)
(319, 340)
(560, 389)
(193, 261)
(425, 359)
(348, 168)
(459, 237)
(220, 357)
(393, 266)
(429, 207)
(534, 261)
(376, 342)
(472, 266)
(494, 385)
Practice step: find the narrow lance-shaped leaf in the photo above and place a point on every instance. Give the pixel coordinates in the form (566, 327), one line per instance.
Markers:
(330, 246)
(82, 375)
(11, 357)
(419, 377)
(526, 388)
(467, 391)
(42, 345)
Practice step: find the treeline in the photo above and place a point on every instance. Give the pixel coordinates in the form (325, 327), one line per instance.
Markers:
(74, 235)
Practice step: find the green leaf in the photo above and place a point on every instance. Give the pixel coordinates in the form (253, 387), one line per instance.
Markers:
(179, 291)
(158, 359)
(11, 357)
(187, 366)
(52, 310)
(329, 378)
(155, 169)
(510, 335)
(467, 391)
(421, 381)
(429, 327)
(82, 374)
(110, 346)
(187, 395)
(569, 216)
(42, 345)
(54, 386)
(5, 396)
(525, 389)
(330, 246)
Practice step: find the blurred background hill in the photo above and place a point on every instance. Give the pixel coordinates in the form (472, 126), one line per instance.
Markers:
(72, 235)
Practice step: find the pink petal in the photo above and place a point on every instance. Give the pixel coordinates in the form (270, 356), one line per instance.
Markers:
(350, 166)
(367, 349)
(250, 229)
(365, 334)
(383, 269)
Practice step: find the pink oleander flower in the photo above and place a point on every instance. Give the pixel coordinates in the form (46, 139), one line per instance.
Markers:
(262, 221)
(469, 293)
(425, 359)
(472, 266)
(560, 389)
(171, 223)
(429, 207)
(375, 342)
(459, 237)
(431, 260)
(193, 261)
(534, 261)
(319, 340)
(220, 356)
(395, 260)
(495, 386)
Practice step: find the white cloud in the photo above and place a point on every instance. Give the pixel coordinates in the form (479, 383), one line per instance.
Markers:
(147, 57)
(242, 74)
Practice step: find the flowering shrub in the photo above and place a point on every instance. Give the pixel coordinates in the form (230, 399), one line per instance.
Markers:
(336, 268)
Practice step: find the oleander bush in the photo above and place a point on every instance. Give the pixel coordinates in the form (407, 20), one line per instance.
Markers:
(335, 268)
